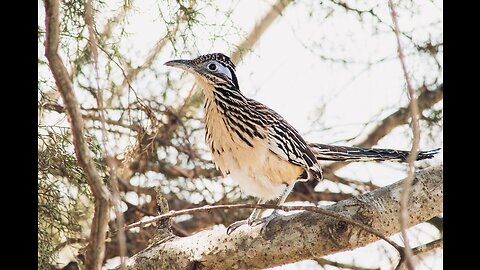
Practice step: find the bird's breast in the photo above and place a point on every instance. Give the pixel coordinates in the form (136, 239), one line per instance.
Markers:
(247, 159)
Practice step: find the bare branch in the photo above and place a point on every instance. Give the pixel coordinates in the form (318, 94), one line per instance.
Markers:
(132, 73)
(285, 208)
(90, 22)
(415, 143)
(259, 29)
(96, 247)
(425, 248)
(428, 247)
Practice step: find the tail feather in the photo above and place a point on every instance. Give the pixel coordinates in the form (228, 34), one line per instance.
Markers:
(347, 153)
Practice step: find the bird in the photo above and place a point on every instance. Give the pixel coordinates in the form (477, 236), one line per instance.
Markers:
(256, 146)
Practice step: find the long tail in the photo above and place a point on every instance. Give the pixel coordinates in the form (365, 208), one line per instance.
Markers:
(346, 153)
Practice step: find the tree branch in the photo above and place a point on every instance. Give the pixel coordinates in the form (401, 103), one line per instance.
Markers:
(422, 249)
(259, 29)
(132, 73)
(300, 236)
(96, 247)
(415, 142)
(323, 262)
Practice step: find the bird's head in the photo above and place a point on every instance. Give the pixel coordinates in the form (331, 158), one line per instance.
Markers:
(215, 69)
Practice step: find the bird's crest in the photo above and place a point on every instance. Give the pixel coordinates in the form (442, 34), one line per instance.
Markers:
(220, 57)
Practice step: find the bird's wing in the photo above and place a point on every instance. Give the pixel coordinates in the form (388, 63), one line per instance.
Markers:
(285, 141)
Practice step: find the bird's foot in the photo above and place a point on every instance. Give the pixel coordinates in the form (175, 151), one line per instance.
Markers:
(264, 220)
(249, 221)
(252, 222)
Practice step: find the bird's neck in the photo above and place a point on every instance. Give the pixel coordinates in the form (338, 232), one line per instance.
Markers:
(221, 104)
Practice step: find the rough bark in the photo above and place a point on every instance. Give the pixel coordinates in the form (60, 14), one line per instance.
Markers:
(299, 236)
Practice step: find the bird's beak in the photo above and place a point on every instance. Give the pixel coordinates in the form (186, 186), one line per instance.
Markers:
(182, 64)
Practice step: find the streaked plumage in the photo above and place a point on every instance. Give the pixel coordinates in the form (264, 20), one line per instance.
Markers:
(254, 145)
(347, 153)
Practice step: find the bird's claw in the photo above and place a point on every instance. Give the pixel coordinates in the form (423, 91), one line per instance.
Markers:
(265, 221)
(253, 222)
(232, 227)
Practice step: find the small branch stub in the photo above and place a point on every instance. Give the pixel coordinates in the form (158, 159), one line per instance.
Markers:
(164, 227)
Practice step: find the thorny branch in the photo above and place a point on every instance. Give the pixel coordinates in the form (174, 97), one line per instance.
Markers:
(416, 141)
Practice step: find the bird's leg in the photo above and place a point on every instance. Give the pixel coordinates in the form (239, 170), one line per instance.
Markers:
(253, 216)
(266, 220)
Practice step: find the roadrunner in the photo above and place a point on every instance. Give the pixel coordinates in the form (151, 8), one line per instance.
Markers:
(253, 144)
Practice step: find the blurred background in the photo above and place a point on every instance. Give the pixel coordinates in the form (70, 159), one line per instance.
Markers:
(329, 67)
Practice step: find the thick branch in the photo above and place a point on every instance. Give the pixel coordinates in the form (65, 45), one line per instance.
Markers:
(300, 236)
(96, 247)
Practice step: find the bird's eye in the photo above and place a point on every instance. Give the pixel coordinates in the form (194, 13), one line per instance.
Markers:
(212, 66)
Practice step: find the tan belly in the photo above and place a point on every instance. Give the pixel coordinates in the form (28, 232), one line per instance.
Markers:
(258, 171)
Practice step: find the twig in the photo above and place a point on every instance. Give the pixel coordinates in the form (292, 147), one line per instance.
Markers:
(349, 182)
(323, 261)
(132, 73)
(104, 35)
(59, 109)
(427, 99)
(428, 247)
(122, 243)
(422, 249)
(259, 29)
(96, 247)
(413, 153)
